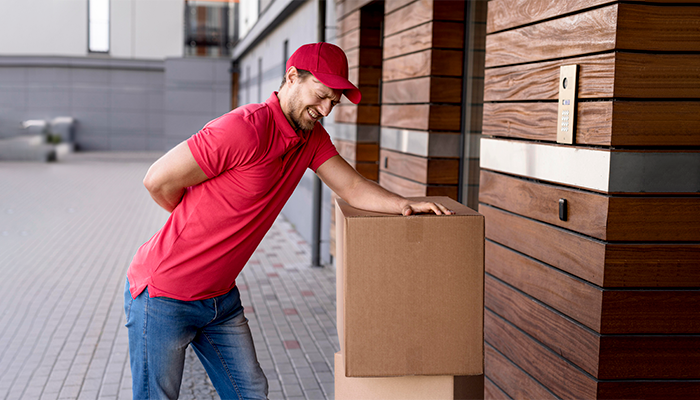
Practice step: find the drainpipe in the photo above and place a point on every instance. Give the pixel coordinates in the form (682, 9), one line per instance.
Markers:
(318, 188)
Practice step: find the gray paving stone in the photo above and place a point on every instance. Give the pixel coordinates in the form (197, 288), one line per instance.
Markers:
(67, 233)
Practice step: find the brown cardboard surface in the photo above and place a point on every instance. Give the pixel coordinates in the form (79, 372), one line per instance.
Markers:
(437, 387)
(410, 292)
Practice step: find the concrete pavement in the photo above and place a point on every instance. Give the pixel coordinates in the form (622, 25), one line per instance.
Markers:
(68, 231)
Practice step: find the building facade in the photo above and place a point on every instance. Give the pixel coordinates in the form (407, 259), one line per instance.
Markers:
(592, 214)
(119, 68)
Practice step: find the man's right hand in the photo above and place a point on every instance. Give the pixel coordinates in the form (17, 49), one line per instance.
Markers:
(167, 179)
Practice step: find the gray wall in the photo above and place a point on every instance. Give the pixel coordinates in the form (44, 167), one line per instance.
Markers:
(120, 105)
(294, 22)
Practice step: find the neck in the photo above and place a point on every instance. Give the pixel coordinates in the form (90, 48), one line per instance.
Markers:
(284, 105)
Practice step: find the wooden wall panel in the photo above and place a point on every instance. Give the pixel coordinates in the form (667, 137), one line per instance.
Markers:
(357, 151)
(408, 188)
(551, 370)
(653, 390)
(575, 298)
(437, 117)
(421, 12)
(423, 90)
(614, 290)
(357, 114)
(565, 337)
(602, 356)
(605, 311)
(509, 380)
(604, 264)
(428, 62)
(615, 27)
(440, 34)
(600, 216)
(627, 75)
(506, 14)
(493, 392)
(600, 123)
(349, 22)
(440, 171)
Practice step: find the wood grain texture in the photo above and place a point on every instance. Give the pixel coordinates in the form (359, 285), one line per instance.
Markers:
(357, 151)
(651, 312)
(660, 219)
(493, 392)
(438, 34)
(619, 74)
(506, 14)
(569, 252)
(357, 114)
(587, 212)
(552, 371)
(438, 117)
(605, 311)
(584, 33)
(601, 123)
(509, 380)
(423, 90)
(563, 336)
(421, 12)
(612, 218)
(392, 5)
(616, 27)
(408, 188)
(565, 380)
(349, 22)
(650, 357)
(540, 81)
(438, 171)
(652, 265)
(655, 390)
(345, 7)
(578, 300)
(654, 28)
(365, 76)
(602, 356)
(364, 57)
(429, 62)
(608, 265)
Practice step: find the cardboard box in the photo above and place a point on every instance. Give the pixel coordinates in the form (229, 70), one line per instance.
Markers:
(406, 387)
(410, 292)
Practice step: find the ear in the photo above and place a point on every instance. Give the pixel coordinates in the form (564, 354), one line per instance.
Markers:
(292, 75)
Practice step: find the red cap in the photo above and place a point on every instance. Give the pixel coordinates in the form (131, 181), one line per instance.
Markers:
(328, 63)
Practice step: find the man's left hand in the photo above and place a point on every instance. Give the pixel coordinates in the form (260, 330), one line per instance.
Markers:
(426, 207)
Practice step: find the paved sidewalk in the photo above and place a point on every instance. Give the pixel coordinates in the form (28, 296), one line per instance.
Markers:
(68, 231)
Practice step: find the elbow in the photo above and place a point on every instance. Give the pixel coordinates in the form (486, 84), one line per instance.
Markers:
(149, 183)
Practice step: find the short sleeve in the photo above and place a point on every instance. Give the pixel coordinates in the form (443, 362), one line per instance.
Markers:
(324, 149)
(223, 144)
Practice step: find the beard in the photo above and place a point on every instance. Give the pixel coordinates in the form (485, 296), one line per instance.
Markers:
(299, 115)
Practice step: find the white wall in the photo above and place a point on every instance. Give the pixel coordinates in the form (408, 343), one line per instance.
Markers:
(145, 29)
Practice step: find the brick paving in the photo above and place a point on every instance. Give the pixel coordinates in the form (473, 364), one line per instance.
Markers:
(68, 231)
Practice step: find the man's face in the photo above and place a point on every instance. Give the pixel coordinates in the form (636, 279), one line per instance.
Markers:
(309, 101)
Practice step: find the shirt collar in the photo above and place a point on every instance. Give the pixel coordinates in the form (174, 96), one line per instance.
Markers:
(281, 121)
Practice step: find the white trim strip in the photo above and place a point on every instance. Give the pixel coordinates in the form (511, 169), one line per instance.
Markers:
(596, 169)
(421, 143)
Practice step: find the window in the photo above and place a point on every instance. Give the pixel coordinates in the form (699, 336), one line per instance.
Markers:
(98, 26)
(285, 56)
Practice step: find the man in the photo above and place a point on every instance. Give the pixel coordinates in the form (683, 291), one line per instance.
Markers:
(224, 187)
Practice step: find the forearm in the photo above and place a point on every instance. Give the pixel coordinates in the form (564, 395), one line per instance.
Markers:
(368, 195)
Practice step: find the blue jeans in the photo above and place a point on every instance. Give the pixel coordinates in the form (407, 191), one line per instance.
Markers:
(160, 329)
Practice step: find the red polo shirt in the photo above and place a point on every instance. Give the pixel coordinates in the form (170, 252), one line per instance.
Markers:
(254, 160)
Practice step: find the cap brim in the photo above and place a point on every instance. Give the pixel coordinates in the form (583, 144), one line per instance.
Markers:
(339, 83)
